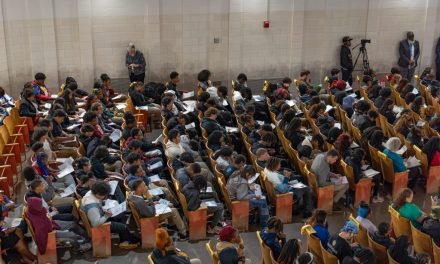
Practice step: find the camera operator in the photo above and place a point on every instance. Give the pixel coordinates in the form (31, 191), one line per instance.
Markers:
(409, 51)
(346, 60)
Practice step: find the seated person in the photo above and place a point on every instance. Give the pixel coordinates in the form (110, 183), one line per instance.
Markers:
(41, 166)
(239, 189)
(216, 140)
(387, 111)
(369, 121)
(363, 255)
(399, 251)
(28, 107)
(39, 87)
(360, 113)
(136, 92)
(383, 235)
(273, 236)
(230, 246)
(166, 252)
(130, 123)
(318, 221)
(105, 165)
(194, 197)
(416, 136)
(432, 150)
(42, 225)
(257, 134)
(237, 164)
(12, 238)
(321, 169)
(364, 212)
(262, 157)
(209, 121)
(308, 149)
(406, 208)
(431, 225)
(342, 244)
(294, 133)
(281, 185)
(91, 203)
(385, 93)
(325, 123)
(144, 203)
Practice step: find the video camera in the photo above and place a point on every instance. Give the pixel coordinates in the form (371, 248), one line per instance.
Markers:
(365, 41)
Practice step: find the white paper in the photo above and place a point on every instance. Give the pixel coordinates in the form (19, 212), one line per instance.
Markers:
(225, 102)
(12, 222)
(260, 122)
(401, 150)
(290, 102)
(397, 109)
(68, 190)
(118, 209)
(158, 139)
(258, 191)
(54, 96)
(354, 145)
(155, 165)
(273, 126)
(154, 178)
(113, 185)
(210, 203)
(162, 209)
(370, 173)
(255, 177)
(299, 185)
(164, 202)
(47, 105)
(209, 189)
(121, 106)
(82, 114)
(352, 95)
(415, 91)
(412, 162)
(187, 95)
(155, 152)
(145, 107)
(190, 125)
(73, 126)
(65, 169)
(109, 203)
(340, 180)
(365, 167)
(328, 108)
(232, 129)
(156, 191)
(258, 98)
(117, 97)
(338, 125)
(116, 135)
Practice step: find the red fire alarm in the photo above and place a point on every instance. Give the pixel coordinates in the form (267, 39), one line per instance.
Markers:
(266, 24)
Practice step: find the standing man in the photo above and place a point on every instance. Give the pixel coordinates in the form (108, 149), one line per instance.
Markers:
(409, 52)
(346, 60)
(135, 62)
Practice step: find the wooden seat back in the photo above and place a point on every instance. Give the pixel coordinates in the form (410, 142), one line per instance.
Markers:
(265, 250)
(212, 253)
(379, 250)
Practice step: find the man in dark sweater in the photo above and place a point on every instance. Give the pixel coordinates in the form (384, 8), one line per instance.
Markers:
(342, 244)
(431, 225)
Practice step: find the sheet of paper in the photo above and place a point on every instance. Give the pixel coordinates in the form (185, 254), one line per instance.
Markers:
(352, 95)
(258, 191)
(47, 105)
(365, 167)
(162, 209)
(155, 152)
(156, 191)
(65, 169)
(109, 203)
(158, 139)
(155, 165)
(12, 222)
(113, 185)
(260, 122)
(340, 180)
(54, 96)
(187, 95)
(82, 114)
(210, 203)
(401, 150)
(370, 173)
(258, 98)
(209, 189)
(154, 178)
(338, 125)
(118, 209)
(225, 102)
(116, 135)
(119, 96)
(232, 129)
(290, 102)
(68, 190)
(354, 145)
(145, 107)
(121, 106)
(190, 125)
(412, 162)
(273, 126)
(299, 185)
(164, 202)
(397, 109)
(253, 178)
(73, 126)
(415, 91)
(328, 108)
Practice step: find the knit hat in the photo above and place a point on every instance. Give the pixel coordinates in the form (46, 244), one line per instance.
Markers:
(350, 227)
(435, 212)
(162, 238)
(393, 144)
(227, 233)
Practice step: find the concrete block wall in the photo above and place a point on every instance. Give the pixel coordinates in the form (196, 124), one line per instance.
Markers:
(84, 38)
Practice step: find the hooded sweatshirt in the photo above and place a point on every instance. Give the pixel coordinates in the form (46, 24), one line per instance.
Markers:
(92, 207)
(37, 216)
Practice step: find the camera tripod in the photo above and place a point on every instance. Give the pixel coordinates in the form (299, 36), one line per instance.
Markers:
(365, 61)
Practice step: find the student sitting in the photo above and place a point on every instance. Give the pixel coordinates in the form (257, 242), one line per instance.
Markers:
(28, 108)
(432, 150)
(273, 236)
(230, 247)
(406, 208)
(239, 189)
(42, 224)
(387, 110)
(216, 141)
(341, 244)
(39, 87)
(144, 202)
(136, 91)
(383, 235)
(104, 165)
(166, 252)
(399, 251)
(193, 194)
(280, 183)
(361, 256)
(364, 212)
(308, 149)
(210, 123)
(91, 203)
(318, 221)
